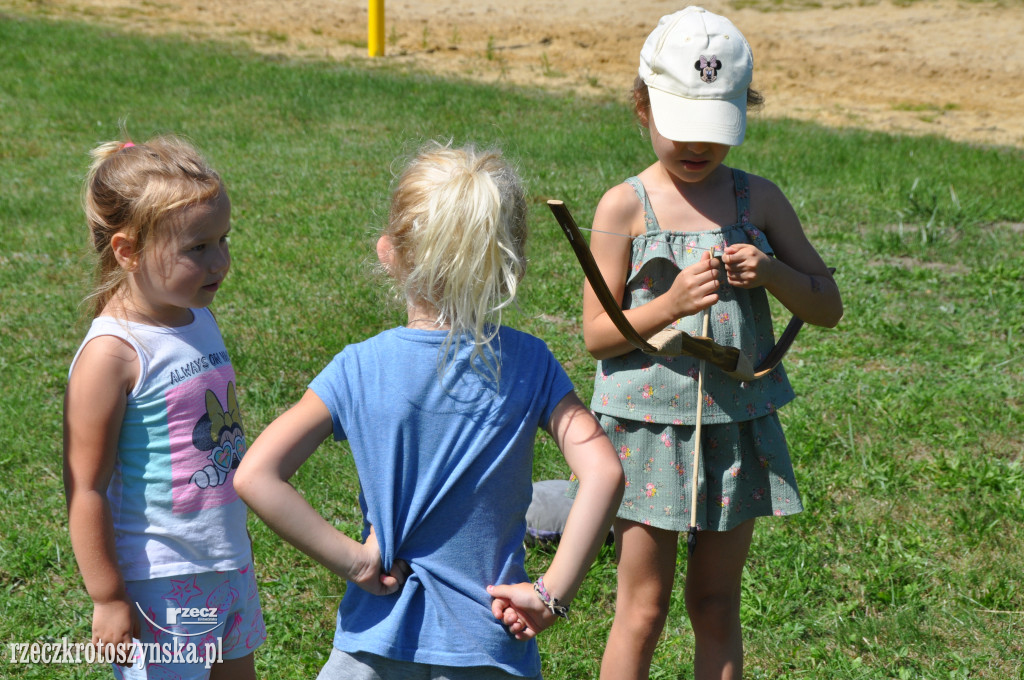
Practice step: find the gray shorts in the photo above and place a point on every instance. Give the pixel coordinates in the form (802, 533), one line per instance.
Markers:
(365, 666)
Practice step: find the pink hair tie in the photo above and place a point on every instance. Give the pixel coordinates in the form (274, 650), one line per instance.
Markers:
(126, 145)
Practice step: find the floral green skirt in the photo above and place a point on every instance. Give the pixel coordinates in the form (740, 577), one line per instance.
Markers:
(744, 472)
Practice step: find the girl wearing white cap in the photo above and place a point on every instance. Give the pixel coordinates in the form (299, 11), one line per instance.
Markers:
(699, 236)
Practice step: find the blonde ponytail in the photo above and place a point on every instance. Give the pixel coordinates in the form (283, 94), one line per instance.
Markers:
(458, 226)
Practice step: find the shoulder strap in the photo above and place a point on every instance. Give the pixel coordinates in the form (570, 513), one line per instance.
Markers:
(650, 221)
(741, 186)
(106, 325)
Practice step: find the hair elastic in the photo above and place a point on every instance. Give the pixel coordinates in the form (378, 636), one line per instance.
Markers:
(126, 145)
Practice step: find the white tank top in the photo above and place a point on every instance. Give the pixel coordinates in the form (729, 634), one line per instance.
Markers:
(171, 494)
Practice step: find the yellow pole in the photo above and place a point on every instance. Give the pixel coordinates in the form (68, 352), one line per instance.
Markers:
(375, 37)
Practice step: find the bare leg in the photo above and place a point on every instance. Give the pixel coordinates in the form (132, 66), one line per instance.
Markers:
(646, 572)
(234, 669)
(713, 601)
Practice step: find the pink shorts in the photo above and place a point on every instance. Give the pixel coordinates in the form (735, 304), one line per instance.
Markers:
(190, 622)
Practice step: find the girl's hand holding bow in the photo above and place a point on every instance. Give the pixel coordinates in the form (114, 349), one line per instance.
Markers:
(746, 266)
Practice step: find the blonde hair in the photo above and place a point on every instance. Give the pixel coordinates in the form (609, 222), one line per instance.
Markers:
(136, 190)
(458, 227)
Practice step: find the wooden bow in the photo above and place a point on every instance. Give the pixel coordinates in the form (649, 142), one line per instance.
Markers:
(670, 342)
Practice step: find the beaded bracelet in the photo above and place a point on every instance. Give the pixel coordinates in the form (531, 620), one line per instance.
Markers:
(559, 610)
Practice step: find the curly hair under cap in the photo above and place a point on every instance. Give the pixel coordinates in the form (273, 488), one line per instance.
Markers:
(641, 97)
(136, 190)
(458, 227)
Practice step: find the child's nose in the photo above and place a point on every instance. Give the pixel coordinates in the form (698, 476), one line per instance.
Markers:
(222, 259)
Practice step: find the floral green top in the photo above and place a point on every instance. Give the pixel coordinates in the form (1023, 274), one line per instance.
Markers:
(642, 387)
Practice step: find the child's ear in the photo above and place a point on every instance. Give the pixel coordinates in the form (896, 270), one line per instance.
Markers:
(124, 251)
(386, 253)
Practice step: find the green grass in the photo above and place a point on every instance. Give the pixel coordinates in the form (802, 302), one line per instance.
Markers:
(907, 438)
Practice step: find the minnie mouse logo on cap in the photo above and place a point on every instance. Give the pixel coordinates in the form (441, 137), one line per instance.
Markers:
(708, 68)
(697, 67)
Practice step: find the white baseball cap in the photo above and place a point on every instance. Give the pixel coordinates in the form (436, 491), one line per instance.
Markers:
(698, 66)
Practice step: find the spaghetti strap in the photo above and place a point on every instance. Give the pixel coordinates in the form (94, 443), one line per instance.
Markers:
(741, 185)
(741, 189)
(650, 221)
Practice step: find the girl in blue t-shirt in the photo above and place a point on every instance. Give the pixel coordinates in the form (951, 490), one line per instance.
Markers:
(441, 416)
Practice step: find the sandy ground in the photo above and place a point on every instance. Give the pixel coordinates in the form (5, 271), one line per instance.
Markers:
(939, 67)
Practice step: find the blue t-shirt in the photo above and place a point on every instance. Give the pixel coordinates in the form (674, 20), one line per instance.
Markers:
(445, 465)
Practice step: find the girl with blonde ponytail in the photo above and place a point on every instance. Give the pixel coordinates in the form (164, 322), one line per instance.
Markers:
(455, 244)
(441, 415)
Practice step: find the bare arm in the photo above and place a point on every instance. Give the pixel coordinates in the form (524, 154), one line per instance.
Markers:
(796, 276)
(261, 480)
(694, 288)
(94, 407)
(592, 458)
